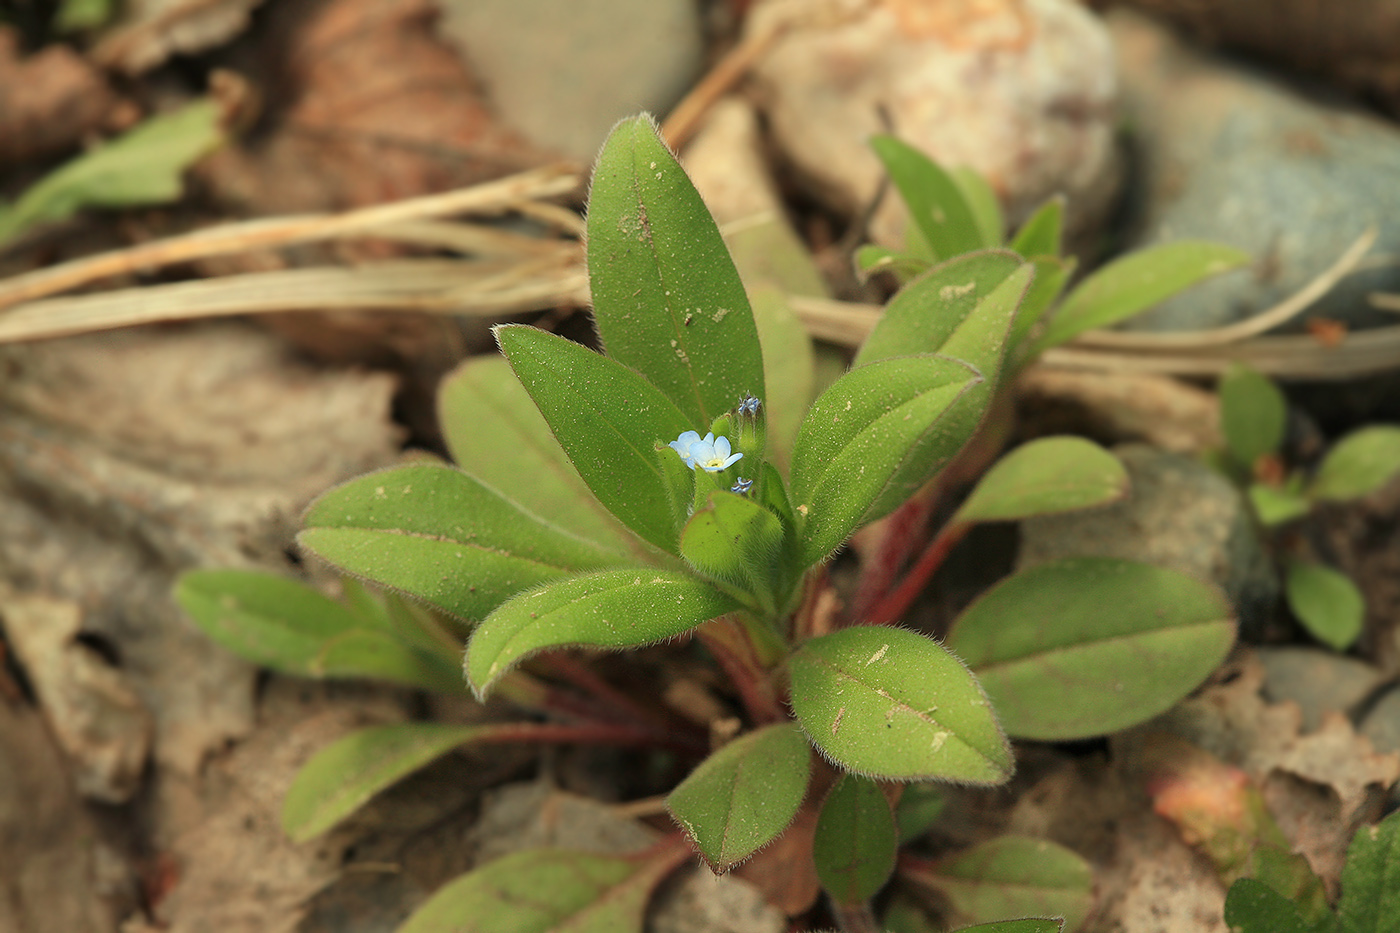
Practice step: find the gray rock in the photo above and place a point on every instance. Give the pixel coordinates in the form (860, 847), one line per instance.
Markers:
(1179, 513)
(1021, 92)
(1318, 681)
(1382, 724)
(564, 72)
(1229, 154)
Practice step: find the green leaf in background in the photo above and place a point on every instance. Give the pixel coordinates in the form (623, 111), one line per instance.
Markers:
(1253, 907)
(1014, 876)
(436, 533)
(545, 891)
(1041, 234)
(494, 431)
(1253, 414)
(789, 370)
(982, 201)
(919, 807)
(1052, 273)
(937, 207)
(737, 541)
(1358, 464)
(608, 419)
(666, 296)
(927, 312)
(1327, 603)
(744, 795)
(870, 259)
(1087, 646)
(79, 15)
(382, 656)
(612, 609)
(855, 842)
(342, 777)
(890, 703)
(142, 166)
(871, 440)
(1045, 476)
(1275, 505)
(1135, 283)
(1371, 879)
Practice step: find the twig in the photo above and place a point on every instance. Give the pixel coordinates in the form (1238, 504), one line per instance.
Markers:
(680, 125)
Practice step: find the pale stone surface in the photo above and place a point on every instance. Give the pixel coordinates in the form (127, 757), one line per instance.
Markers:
(1023, 92)
(564, 72)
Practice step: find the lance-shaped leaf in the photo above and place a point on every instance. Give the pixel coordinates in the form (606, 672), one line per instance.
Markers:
(287, 626)
(547, 890)
(738, 541)
(1052, 273)
(1040, 234)
(611, 609)
(893, 704)
(855, 843)
(982, 201)
(744, 795)
(1087, 646)
(1253, 907)
(666, 296)
(1253, 414)
(1371, 879)
(872, 439)
(789, 366)
(437, 533)
(1012, 876)
(342, 777)
(927, 312)
(937, 206)
(608, 419)
(1135, 283)
(1359, 464)
(494, 432)
(1045, 476)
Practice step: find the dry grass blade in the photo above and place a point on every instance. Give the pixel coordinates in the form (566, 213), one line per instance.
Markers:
(270, 233)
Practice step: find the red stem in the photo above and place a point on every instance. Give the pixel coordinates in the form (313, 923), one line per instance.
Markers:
(902, 535)
(730, 645)
(596, 733)
(587, 680)
(898, 600)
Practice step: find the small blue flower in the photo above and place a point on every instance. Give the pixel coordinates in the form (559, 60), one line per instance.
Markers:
(749, 405)
(708, 453)
(742, 486)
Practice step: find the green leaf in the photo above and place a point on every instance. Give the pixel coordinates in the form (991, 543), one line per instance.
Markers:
(874, 438)
(1014, 876)
(1045, 476)
(789, 369)
(919, 808)
(744, 795)
(855, 841)
(1254, 907)
(1135, 283)
(494, 431)
(544, 891)
(608, 419)
(1358, 464)
(79, 15)
(1040, 235)
(1051, 275)
(342, 777)
(1275, 506)
(1371, 879)
(289, 627)
(937, 207)
(666, 295)
(870, 259)
(1327, 603)
(1253, 414)
(893, 704)
(927, 313)
(612, 609)
(1087, 646)
(438, 534)
(769, 254)
(142, 166)
(738, 541)
(982, 201)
